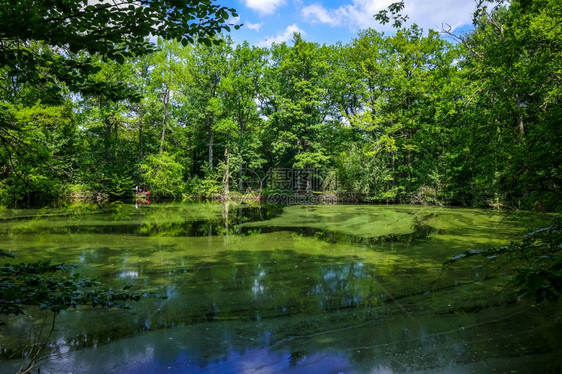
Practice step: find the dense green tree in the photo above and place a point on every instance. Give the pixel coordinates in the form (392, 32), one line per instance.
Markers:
(162, 175)
(398, 112)
(241, 88)
(295, 104)
(505, 146)
(512, 113)
(37, 158)
(203, 110)
(107, 154)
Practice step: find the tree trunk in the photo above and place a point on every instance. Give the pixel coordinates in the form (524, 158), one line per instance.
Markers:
(241, 152)
(107, 130)
(165, 101)
(162, 139)
(225, 216)
(141, 118)
(210, 149)
(520, 123)
(107, 143)
(115, 129)
(226, 178)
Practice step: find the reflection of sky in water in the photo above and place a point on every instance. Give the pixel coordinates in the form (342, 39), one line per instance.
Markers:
(380, 346)
(258, 288)
(128, 274)
(250, 361)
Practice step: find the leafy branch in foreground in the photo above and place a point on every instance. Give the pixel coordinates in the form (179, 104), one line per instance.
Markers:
(393, 12)
(536, 259)
(113, 29)
(50, 287)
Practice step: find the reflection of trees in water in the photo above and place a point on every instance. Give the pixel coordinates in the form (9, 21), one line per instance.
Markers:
(175, 220)
(239, 286)
(222, 219)
(263, 298)
(260, 284)
(270, 296)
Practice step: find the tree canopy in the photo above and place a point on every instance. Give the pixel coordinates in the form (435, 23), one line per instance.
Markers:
(114, 29)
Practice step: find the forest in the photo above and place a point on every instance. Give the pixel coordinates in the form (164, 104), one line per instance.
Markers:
(421, 116)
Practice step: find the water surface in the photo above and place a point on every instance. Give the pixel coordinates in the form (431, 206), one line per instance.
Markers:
(326, 288)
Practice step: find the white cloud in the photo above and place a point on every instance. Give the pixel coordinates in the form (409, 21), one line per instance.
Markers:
(264, 6)
(317, 13)
(254, 26)
(433, 14)
(283, 36)
(359, 13)
(356, 15)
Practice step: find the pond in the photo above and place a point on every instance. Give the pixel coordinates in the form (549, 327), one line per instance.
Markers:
(272, 289)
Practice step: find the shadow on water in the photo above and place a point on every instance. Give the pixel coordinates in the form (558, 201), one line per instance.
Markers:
(150, 221)
(420, 231)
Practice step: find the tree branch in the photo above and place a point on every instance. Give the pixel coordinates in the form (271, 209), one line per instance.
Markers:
(460, 39)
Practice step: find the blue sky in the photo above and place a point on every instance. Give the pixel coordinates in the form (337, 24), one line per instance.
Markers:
(329, 21)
